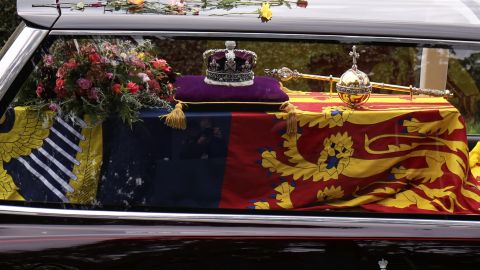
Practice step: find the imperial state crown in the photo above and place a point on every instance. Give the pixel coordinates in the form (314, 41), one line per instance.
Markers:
(229, 66)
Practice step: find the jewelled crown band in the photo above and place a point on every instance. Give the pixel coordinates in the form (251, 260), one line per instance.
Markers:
(229, 66)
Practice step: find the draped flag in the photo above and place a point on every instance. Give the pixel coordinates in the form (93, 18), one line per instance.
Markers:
(391, 155)
(48, 159)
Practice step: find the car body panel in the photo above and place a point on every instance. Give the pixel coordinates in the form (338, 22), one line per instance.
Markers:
(455, 20)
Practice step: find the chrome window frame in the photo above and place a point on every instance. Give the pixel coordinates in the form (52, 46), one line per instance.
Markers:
(18, 54)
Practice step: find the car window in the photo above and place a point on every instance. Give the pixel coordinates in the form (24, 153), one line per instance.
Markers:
(130, 122)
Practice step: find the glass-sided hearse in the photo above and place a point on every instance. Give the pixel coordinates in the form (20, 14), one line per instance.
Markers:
(241, 134)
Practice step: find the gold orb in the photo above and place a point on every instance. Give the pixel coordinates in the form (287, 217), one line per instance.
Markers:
(354, 87)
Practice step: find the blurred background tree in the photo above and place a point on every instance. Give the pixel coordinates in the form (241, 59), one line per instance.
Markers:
(389, 64)
(9, 19)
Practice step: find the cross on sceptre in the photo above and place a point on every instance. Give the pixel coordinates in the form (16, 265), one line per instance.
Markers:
(354, 56)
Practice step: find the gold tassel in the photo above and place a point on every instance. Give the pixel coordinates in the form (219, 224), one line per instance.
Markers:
(176, 119)
(291, 118)
(284, 89)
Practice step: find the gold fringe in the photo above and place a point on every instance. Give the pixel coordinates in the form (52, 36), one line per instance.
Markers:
(176, 119)
(291, 118)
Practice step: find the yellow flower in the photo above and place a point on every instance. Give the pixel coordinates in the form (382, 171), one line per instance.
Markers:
(141, 56)
(136, 2)
(265, 12)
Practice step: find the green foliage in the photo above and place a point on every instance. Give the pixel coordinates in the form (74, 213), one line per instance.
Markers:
(9, 21)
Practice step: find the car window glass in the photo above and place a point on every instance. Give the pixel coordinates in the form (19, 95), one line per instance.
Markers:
(102, 121)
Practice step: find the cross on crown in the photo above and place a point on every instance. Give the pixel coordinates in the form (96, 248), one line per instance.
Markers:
(354, 56)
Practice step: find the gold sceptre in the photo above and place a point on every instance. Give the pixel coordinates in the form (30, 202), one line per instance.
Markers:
(286, 74)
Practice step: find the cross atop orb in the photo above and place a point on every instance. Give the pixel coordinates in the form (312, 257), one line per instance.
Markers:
(354, 56)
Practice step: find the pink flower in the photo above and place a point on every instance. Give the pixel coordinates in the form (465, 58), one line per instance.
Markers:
(170, 87)
(168, 69)
(159, 63)
(93, 94)
(53, 106)
(133, 87)
(84, 84)
(137, 62)
(109, 75)
(48, 60)
(117, 88)
(61, 72)
(39, 90)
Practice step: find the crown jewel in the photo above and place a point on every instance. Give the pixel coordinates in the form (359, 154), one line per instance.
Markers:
(229, 66)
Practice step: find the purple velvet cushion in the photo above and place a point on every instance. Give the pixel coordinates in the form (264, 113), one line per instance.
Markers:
(263, 90)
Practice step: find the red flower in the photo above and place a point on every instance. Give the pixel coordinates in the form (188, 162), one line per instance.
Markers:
(302, 3)
(94, 58)
(159, 63)
(117, 88)
(59, 83)
(39, 90)
(133, 87)
(154, 85)
(150, 74)
(167, 69)
(60, 89)
(70, 64)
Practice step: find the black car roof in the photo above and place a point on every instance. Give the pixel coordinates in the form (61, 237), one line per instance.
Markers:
(441, 19)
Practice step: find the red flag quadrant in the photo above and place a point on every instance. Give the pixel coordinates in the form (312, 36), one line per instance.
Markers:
(391, 155)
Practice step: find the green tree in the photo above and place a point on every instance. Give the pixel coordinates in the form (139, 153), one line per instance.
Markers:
(9, 19)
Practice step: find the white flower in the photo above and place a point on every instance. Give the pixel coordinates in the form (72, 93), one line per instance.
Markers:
(144, 77)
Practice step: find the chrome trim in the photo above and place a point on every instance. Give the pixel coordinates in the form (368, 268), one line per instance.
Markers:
(18, 55)
(41, 16)
(342, 38)
(291, 226)
(11, 39)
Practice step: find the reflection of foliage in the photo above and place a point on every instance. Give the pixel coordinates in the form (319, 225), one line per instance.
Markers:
(382, 63)
(464, 78)
(184, 55)
(9, 20)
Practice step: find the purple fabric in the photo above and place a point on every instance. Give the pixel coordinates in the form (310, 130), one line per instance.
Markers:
(194, 89)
